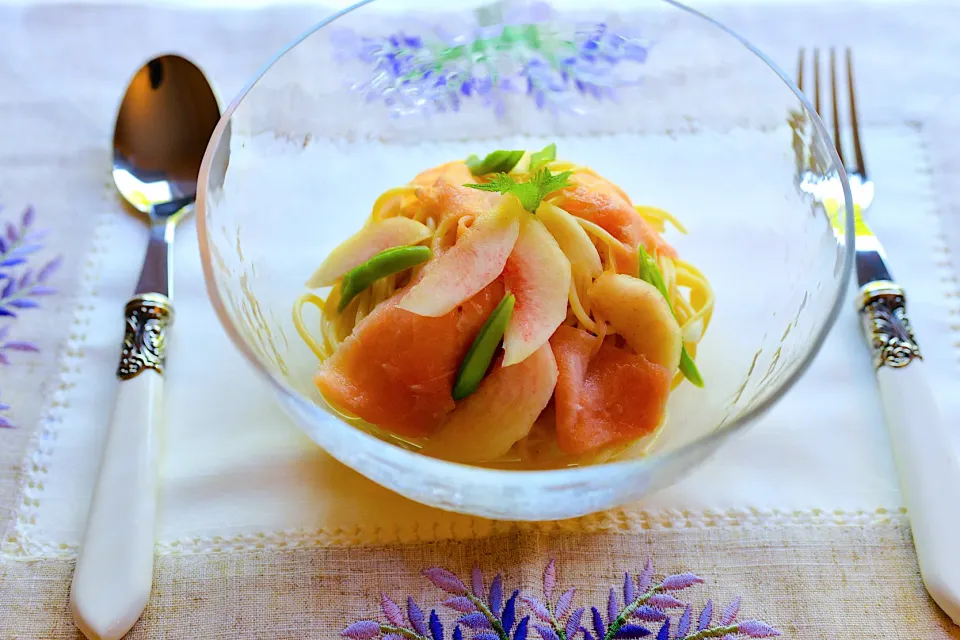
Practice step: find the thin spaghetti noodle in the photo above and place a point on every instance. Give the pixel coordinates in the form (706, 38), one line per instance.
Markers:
(390, 198)
(582, 315)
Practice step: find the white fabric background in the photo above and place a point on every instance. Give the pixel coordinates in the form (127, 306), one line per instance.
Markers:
(856, 473)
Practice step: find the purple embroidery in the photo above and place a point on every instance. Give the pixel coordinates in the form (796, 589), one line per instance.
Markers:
(730, 611)
(563, 604)
(521, 51)
(706, 616)
(446, 581)
(680, 581)
(549, 580)
(21, 286)
(392, 610)
(644, 601)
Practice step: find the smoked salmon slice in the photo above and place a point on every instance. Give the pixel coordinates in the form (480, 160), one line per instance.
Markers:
(448, 204)
(612, 397)
(397, 369)
(454, 173)
(442, 194)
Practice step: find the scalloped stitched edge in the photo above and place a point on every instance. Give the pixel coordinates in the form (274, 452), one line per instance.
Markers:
(948, 273)
(690, 127)
(618, 521)
(17, 541)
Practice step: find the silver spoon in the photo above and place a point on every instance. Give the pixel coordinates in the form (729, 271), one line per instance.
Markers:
(163, 126)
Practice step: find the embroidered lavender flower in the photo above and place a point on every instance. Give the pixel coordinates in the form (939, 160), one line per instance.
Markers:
(557, 625)
(520, 52)
(12, 345)
(21, 287)
(490, 618)
(4, 421)
(647, 601)
(485, 613)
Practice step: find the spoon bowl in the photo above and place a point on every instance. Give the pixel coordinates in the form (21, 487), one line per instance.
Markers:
(163, 126)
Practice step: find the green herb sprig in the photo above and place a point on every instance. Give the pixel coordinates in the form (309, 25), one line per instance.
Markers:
(530, 193)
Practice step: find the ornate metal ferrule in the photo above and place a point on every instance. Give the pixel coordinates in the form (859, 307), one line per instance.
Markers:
(883, 319)
(144, 341)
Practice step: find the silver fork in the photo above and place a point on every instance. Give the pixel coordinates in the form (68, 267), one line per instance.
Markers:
(928, 462)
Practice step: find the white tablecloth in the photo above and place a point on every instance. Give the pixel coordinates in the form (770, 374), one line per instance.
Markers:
(61, 71)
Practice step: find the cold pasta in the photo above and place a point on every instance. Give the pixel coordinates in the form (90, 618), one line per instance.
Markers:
(514, 310)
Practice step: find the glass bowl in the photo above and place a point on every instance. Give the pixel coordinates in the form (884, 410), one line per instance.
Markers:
(680, 111)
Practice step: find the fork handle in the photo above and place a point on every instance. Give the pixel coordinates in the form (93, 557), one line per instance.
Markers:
(929, 470)
(926, 453)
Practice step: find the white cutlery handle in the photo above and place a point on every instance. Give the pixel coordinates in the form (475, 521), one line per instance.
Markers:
(114, 573)
(929, 469)
(926, 453)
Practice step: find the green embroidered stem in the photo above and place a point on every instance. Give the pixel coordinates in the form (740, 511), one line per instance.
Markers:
(560, 630)
(628, 610)
(401, 631)
(492, 619)
(530, 36)
(715, 632)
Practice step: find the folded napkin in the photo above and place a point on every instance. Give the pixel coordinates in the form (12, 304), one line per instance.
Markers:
(236, 473)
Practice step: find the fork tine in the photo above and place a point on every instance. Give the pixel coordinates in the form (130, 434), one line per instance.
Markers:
(854, 120)
(816, 80)
(837, 141)
(800, 69)
(798, 122)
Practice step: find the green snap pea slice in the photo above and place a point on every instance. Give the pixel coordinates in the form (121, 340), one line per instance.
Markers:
(379, 266)
(543, 157)
(650, 272)
(500, 161)
(689, 369)
(478, 358)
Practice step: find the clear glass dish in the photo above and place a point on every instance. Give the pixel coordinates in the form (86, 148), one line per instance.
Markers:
(676, 108)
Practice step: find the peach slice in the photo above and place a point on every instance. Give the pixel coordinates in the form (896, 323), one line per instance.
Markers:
(366, 243)
(575, 242)
(639, 313)
(499, 413)
(538, 274)
(476, 260)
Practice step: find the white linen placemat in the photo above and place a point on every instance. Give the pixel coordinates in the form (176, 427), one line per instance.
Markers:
(237, 474)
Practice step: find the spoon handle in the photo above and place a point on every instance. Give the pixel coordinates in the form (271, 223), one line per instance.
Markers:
(114, 573)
